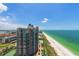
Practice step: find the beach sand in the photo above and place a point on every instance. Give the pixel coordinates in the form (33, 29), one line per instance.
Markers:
(59, 48)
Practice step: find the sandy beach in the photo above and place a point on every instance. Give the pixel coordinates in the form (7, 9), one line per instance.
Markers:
(59, 48)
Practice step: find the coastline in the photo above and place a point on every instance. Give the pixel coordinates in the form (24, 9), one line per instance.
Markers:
(59, 48)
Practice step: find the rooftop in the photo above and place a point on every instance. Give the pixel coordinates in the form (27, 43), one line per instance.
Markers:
(4, 35)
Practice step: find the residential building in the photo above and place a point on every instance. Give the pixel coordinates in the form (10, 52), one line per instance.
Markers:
(27, 41)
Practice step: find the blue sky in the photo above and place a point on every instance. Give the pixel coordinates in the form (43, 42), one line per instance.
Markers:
(46, 16)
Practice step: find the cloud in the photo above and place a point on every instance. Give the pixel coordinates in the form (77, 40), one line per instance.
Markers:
(3, 8)
(5, 21)
(44, 20)
(4, 18)
(5, 24)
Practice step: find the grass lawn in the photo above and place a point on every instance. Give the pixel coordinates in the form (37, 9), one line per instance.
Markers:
(4, 45)
(11, 53)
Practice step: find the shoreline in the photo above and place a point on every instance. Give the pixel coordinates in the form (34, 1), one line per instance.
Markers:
(59, 48)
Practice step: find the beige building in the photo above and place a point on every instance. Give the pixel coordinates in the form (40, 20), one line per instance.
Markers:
(40, 48)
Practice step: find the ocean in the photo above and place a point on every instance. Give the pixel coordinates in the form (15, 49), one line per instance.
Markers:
(3, 31)
(6, 31)
(68, 38)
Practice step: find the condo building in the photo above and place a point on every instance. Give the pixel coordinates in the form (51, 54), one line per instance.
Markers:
(27, 41)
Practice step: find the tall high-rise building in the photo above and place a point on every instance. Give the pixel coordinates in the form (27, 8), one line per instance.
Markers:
(27, 41)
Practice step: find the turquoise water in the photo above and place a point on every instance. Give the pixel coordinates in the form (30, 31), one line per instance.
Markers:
(68, 38)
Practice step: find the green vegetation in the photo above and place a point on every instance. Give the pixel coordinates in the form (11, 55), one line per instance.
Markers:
(11, 53)
(6, 47)
(6, 50)
(48, 50)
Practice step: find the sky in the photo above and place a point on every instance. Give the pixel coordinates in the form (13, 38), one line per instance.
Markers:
(53, 16)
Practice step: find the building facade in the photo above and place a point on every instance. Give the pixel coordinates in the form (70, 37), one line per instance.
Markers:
(40, 48)
(7, 39)
(27, 41)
